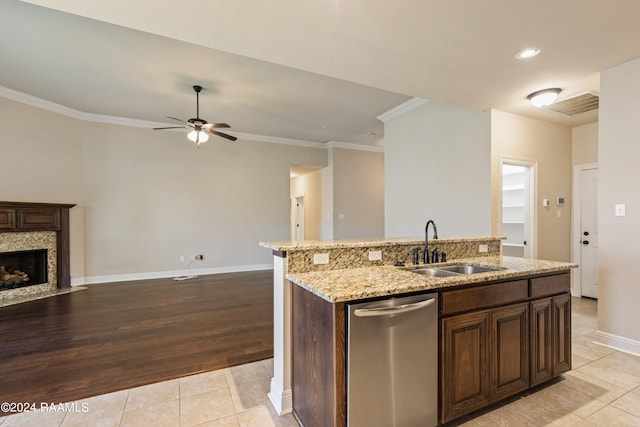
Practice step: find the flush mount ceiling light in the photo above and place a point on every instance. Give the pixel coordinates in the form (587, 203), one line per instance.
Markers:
(527, 53)
(544, 97)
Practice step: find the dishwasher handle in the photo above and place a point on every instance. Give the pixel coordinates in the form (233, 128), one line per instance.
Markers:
(386, 311)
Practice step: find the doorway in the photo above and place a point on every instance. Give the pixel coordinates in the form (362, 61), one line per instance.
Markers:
(518, 208)
(585, 229)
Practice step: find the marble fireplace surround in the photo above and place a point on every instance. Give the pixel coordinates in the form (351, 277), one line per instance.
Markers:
(29, 240)
(29, 226)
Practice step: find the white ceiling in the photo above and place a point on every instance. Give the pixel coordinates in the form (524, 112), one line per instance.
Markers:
(314, 70)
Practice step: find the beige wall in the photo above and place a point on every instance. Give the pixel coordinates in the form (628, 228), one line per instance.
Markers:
(618, 177)
(145, 198)
(437, 166)
(584, 144)
(358, 193)
(549, 145)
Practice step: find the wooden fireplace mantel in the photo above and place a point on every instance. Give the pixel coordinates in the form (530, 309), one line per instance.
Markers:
(23, 216)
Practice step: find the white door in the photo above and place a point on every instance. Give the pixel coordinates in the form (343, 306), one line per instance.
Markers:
(299, 218)
(589, 232)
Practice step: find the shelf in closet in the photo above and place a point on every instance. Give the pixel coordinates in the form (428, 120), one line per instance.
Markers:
(513, 245)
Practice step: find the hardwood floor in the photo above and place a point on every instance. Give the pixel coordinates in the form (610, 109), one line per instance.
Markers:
(122, 335)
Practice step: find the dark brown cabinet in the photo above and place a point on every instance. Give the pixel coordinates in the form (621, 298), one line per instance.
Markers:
(509, 337)
(465, 353)
(561, 338)
(485, 358)
(550, 337)
(488, 354)
(541, 338)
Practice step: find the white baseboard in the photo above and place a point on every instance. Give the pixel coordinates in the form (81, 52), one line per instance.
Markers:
(90, 280)
(281, 400)
(616, 342)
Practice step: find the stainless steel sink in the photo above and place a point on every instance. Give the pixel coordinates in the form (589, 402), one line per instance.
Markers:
(433, 272)
(454, 270)
(469, 268)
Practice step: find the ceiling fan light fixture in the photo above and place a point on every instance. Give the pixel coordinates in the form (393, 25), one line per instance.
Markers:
(198, 136)
(544, 97)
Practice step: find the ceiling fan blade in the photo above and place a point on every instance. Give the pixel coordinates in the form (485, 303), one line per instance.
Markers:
(217, 125)
(181, 121)
(224, 135)
(170, 127)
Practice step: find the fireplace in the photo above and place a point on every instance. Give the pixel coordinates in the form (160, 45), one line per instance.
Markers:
(31, 228)
(23, 268)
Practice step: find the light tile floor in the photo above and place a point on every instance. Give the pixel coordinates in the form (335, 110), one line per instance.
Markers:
(231, 397)
(603, 389)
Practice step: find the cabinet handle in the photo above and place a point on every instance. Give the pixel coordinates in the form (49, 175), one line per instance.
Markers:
(385, 311)
(585, 242)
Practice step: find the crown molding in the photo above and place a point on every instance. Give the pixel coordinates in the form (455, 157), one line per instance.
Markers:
(43, 104)
(352, 146)
(279, 140)
(401, 109)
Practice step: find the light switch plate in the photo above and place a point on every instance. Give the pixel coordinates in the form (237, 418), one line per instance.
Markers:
(483, 248)
(621, 210)
(321, 258)
(375, 255)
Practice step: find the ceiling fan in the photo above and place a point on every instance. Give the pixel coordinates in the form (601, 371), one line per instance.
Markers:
(200, 129)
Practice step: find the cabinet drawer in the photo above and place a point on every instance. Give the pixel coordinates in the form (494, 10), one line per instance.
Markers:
(7, 219)
(550, 285)
(39, 219)
(484, 296)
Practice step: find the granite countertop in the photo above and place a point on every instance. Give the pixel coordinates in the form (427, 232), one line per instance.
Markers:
(303, 245)
(370, 282)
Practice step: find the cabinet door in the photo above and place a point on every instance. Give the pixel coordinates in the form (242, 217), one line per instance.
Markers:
(509, 350)
(541, 337)
(561, 339)
(464, 369)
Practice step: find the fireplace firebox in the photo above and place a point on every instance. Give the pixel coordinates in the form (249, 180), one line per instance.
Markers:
(23, 268)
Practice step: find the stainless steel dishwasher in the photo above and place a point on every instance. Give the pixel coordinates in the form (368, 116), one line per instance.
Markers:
(392, 362)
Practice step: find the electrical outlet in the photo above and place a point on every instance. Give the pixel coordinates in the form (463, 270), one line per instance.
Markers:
(483, 248)
(321, 258)
(375, 255)
(181, 258)
(200, 257)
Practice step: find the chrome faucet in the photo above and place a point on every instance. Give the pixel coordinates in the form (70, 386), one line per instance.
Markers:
(426, 240)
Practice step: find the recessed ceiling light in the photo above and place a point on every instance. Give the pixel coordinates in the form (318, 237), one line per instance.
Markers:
(527, 53)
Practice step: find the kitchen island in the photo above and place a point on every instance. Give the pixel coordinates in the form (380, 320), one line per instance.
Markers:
(520, 311)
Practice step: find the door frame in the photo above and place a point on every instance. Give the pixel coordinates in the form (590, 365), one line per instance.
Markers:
(576, 232)
(299, 218)
(533, 196)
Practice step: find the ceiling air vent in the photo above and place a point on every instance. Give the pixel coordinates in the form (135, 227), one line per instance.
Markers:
(575, 105)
